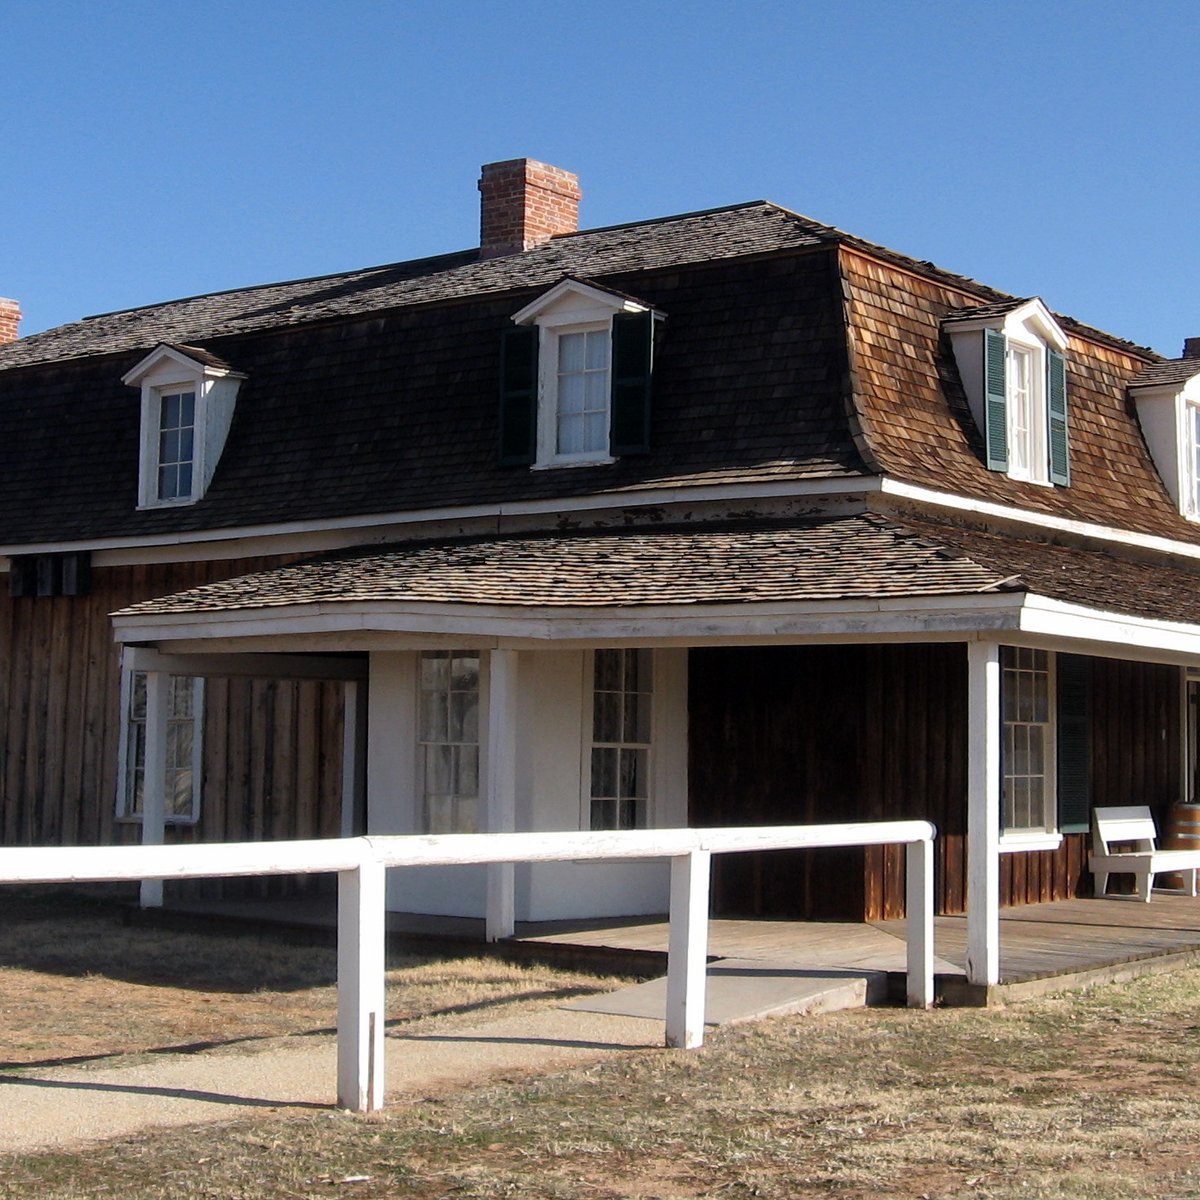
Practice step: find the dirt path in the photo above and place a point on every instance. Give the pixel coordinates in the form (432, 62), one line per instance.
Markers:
(69, 1106)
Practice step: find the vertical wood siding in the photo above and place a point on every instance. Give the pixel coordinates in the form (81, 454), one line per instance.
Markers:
(272, 749)
(848, 733)
(829, 733)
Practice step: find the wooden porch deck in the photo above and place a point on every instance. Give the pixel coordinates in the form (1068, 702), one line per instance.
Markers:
(1043, 947)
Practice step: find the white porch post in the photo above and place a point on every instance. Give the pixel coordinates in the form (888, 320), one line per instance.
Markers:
(361, 1008)
(154, 777)
(983, 812)
(919, 914)
(687, 949)
(501, 787)
(354, 748)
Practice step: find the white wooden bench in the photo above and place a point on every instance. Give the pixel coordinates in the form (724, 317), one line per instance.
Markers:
(1131, 831)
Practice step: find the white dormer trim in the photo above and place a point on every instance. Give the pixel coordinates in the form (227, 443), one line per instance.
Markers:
(169, 371)
(1169, 415)
(572, 307)
(1010, 399)
(573, 302)
(1032, 319)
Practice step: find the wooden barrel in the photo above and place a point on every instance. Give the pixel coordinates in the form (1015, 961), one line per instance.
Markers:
(1182, 833)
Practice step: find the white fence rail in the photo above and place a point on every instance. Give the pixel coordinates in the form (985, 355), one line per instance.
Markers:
(361, 865)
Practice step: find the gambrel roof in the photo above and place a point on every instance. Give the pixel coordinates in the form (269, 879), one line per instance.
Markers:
(792, 353)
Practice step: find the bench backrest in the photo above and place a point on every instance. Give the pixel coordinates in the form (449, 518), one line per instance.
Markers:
(1132, 824)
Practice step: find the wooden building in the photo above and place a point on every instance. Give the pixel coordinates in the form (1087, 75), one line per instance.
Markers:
(724, 518)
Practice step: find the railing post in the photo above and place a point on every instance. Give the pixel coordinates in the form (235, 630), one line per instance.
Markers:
(154, 776)
(361, 1002)
(687, 952)
(919, 910)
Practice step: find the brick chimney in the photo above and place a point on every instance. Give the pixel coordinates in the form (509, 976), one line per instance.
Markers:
(10, 318)
(1191, 347)
(524, 203)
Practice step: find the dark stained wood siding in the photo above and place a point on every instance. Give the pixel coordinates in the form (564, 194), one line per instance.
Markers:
(272, 749)
(846, 733)
(828, 733)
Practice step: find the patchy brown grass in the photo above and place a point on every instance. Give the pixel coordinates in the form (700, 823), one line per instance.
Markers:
(1094, 1096)
(76, 983)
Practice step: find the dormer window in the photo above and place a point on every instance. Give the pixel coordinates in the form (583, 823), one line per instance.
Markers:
(1010, 358)
(1167, 396)
(176, 444)
(188, 397)
(575, 378)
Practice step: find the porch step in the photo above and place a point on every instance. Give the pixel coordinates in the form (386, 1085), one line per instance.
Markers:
(747, 989)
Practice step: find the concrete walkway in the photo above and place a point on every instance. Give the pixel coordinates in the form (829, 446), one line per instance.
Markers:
(67, 1107)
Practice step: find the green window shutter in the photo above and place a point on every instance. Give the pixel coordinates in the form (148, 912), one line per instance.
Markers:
(1074, 743)
(995, 399)
(1056, 417)
(632, 366)
(518, 396)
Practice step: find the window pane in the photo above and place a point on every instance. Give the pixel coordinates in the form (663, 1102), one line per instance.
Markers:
(434, 722)
(571, 434)
(179, 794)
(606, 717)
(598, 342)
(464, 717)
(571, 352)
(572, 390)
(464, 672)
(633, 773)
(604, 771)
(466, 815)
(608, 670)
(435, 670)
(594, 431)
(439, 770)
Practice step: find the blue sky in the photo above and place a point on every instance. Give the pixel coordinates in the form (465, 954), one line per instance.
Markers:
(154, 150)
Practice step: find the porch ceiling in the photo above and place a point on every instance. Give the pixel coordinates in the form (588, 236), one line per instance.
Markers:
(840, 575)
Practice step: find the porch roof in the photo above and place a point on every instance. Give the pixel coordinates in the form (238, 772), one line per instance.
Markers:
(838, 557)
(855, 559)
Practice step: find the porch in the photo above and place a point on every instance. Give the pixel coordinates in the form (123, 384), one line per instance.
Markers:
(1059, 945)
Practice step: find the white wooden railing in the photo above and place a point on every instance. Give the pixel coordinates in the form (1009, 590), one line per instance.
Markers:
(361, 865)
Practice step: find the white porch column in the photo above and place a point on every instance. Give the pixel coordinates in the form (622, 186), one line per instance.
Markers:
(154, 777)
(501, 795)
(983, 812)
(354, 749)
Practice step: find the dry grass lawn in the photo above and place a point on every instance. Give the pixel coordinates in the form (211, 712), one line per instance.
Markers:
(1092, 1095)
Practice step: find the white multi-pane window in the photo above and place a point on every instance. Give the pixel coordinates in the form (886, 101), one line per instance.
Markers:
(1194, 425)
(1026, 416)
(183, 769)
(1027, 747)
(622, 700)
(583, 391)
(176, 444)
(448, 741)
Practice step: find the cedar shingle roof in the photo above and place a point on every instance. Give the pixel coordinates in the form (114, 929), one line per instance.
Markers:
(866, 556)
(734, 232)
(1175, 370)
(832, 558)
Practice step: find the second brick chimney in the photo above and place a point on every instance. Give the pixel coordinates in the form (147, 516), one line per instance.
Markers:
(10, 319)
(1191, 347)
(523, 203)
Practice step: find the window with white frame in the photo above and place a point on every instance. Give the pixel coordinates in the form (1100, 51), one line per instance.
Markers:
(575, 378)
(448, 741)
(1014, 371)
(184, 748)
(176, 443)
(1027, 750)
(187, 403)
(582, 389)
(622, 696)
(1193, 491)
(1026, 416)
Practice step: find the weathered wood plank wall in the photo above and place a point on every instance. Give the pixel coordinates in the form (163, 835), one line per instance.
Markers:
(832, 733)
(272, 749)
